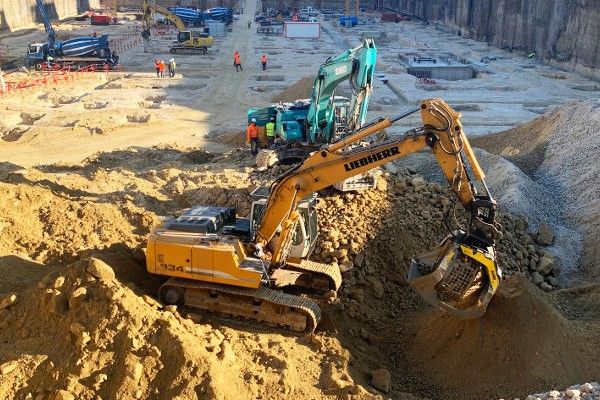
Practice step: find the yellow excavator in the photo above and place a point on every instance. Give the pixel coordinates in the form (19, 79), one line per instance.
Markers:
(187, 43)
(257, 268)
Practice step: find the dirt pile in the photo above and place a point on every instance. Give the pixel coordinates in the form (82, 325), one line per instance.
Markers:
(360, 349)
(231, 138)
(522, 344)
(299, 90)
(41, 224)
(55, 214)
(109, 341)
(386, 325)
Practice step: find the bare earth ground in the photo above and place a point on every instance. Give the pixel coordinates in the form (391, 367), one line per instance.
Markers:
(90, 167)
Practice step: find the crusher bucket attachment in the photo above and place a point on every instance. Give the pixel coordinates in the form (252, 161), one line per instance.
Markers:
(456, 276)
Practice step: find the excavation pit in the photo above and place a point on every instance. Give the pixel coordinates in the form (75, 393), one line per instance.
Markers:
(439, 68)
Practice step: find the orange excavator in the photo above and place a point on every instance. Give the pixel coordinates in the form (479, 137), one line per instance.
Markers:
(258, 268)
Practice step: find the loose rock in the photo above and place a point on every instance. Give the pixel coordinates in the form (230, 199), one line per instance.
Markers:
(100, 269)
(381, 380)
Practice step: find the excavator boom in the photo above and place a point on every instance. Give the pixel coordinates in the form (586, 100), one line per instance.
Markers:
(148, 8)
(219, 262)
(187, 43)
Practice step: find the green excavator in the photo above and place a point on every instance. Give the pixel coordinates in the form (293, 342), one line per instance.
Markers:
(304, 125)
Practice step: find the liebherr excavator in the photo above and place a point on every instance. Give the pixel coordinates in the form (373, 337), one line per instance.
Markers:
(256, 268)
(187, 43)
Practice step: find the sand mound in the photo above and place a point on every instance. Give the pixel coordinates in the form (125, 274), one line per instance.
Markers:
(231, 138)
(524, 145)
(80, 333)
(299, 90)
(104, 208)
(107, 341)
(521, 345)
(44, 225)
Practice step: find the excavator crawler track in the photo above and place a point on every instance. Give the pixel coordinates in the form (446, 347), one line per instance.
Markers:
(324, 277)
(263, 304)
(188, 50)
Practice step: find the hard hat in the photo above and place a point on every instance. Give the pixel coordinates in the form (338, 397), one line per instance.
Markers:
(272, 119)
(253, 119)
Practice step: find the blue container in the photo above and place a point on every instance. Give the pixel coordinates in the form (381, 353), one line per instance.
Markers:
(187, 15)
(349, 21)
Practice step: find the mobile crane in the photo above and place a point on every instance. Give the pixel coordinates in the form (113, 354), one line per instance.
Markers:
(231, 265)
(187, 43)
(76, 53)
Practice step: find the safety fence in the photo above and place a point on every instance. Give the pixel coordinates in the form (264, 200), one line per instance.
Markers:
(51, 75)
(125, 42)
(163, 30)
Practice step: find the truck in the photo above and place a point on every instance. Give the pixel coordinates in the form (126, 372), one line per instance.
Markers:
(77, 53)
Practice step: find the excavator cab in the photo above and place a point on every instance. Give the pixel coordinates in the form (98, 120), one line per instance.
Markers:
(184, 36)
(304, 237)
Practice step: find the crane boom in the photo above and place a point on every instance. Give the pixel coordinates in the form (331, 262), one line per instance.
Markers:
(47, 24)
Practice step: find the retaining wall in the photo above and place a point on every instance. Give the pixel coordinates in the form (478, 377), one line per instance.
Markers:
(565, 33)
(16, 14)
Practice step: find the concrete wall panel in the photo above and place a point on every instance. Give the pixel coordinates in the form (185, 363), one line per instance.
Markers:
(16, 14)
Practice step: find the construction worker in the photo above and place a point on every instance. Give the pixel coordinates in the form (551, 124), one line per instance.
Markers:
(252, 137)
(249, 24)
(270, 131)
(237, 61)
(172, 66)
(161, 68)
(263, 61)
(49, 60)
(157, 67)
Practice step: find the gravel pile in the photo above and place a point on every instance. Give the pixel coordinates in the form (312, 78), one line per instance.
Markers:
(535, 202)
(575, 392)
(559, 151)
(412, 216)
(517, 193)
(570, 169)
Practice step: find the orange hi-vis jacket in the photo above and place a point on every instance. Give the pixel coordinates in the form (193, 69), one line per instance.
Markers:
(251, 132)
(263, 59)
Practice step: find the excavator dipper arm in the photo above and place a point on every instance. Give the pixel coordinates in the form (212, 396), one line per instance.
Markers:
(358, 67)
(441, 132)
(149, 8)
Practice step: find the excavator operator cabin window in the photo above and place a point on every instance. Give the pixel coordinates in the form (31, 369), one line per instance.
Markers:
(298, 237)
